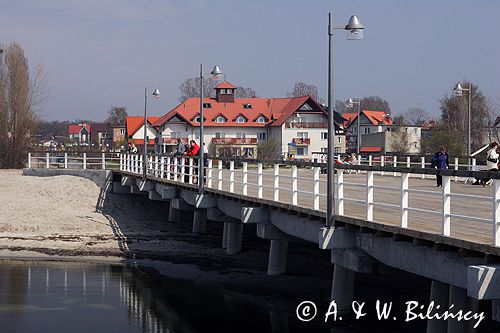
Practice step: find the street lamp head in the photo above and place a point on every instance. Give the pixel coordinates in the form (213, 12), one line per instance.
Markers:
(354, 28)
(216, 71)
(349, 103)
(156, 93)
(458, 90)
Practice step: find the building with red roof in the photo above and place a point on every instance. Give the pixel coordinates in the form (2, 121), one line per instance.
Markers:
(370, 122)
(235, 126)
(79, 133)
(135, 131)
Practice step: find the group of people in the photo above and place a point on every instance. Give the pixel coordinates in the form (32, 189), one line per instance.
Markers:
(441, 161)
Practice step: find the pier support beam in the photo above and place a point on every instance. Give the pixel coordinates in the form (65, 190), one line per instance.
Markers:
(278, 251)
(234, 238)
(458, 297)
(440, 295)
(343, 288)
(224, 235)
(173, 214)
(199, 221)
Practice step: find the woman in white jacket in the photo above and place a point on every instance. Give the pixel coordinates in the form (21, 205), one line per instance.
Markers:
(491, 161)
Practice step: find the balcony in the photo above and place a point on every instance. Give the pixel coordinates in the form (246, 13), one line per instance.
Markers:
(306, 125)
(234, 141)
(301, 141)
(173, 141)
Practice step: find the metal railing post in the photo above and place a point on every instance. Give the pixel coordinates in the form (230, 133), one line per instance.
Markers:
(245, 178)
(340, 191)
(473, 164)
(219, 174)
(209, 173)
(65, 160)
(382, 163)
(276, 185)
(408, 162)
(167, 168)
(316, 171)
(183, 170)
(103, 159)
(231, 176)
(422, 161)
(404, 200)
(294, 186)
(191, 173)
(369, 196)
(176, 168)
(370, 160)
(395, 164)
(47, 157)
(84, 161)
(496, 212)
(259, 180)
(29, 160)
(446, 206)
(456, 167)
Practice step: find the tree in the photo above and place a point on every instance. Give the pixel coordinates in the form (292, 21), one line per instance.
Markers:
(400, 140)
(117, 116)
(375, 103)
(399, 119)
(452, 140)
(191, 88)
(20, 96)
(242, 92)
(454, 115)
(416, 116)
(269, 150)
(341, 108)
(304, 89)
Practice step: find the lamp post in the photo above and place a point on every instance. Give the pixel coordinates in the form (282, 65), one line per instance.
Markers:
(216, 72)
(156, 95)
(350, 103)
(458, 90)
(355, 31)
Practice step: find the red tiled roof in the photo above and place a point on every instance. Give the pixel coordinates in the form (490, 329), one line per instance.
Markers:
(375, 117)
(370, 149)
(135, 122)
(225, 85)
(75, 129)
(275, 110)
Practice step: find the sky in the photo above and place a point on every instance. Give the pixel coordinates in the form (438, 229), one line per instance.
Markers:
(100, 53)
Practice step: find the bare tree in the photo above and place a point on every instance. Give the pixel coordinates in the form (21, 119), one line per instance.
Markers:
(400, 141)
(117, 116)
(20, 97)
(304, 89)
(341, 108)
(269, 150)
(454, 114)
(416, 116)
(375, 103)
(242, 92)
(191, 88)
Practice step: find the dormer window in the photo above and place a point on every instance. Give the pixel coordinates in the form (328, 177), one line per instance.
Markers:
(207, 105)
(197, 119)
(220, 119)
(222, 91)
(261, 119)
(241, 119)
(229, 91)
(247, 106)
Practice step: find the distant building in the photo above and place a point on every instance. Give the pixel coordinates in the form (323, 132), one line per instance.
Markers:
(427, 128)
(236, 126)
(370, 122)
(101, 135)
(135, 131)
(119, 136)
(393, 139)
(80, 133)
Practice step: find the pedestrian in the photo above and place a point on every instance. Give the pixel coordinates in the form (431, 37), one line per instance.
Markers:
(491, 161)
(193, 150)
(133, 149)
(440, 162)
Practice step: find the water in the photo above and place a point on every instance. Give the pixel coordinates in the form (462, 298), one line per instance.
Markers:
(48, 296)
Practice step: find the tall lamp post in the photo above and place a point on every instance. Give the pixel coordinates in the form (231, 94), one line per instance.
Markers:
(458, 90)
(156, 95)
(355, 31)
(350, 103)
(216, 72)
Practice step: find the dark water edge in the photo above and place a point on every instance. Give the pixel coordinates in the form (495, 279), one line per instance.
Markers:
(60, 296)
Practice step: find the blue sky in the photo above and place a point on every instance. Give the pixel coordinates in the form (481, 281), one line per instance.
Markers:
(100, 53)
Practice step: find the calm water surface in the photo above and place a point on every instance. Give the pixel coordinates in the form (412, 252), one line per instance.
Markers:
(45, 296)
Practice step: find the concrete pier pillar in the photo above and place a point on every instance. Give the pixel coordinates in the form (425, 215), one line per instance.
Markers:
(224, 235)
(234, 238)
(199, 221)
(458, 297)
(173, 214)
(440, 295)
(277, 257)
(279, 322)
(343, 288)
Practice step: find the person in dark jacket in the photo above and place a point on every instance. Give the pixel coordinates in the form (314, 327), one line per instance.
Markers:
(440, 161)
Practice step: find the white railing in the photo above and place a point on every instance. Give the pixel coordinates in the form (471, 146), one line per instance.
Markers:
(64, 160)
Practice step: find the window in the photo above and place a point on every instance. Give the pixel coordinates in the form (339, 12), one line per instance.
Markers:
(415, 130)
(223, 91)
(247, 106)
(414, 144)
(230, 91)
(122, 131)
(324, 135)
(339, 139)
(197, 119)
(302, 135)
(301, 151)
(240, 135)
(220, 119)
(175, 135)
(367, 130)
(207, 105)
(241, 119)
(262, 136)
(220, 135)
(261, 119)
(324, 149)
(197, 135)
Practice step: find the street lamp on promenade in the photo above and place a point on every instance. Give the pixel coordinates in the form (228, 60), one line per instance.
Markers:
(156, 95)
(355, 31)
(458, 91)
(216, 72)
(350, 103)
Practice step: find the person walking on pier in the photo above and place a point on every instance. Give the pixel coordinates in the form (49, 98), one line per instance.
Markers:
(193, 150)
(491, 161)
(440, 161)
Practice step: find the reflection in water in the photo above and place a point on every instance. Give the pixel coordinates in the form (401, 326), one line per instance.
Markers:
(41, 296)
